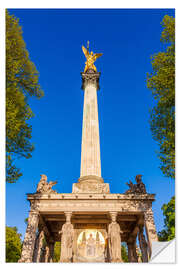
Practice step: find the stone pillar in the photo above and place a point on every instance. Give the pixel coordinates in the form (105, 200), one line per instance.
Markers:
(51, 250)
(47, 253)
(150, 229)
(132, 254)
(90, 148)
(143, 245)
(138, 254)
(67, 239)
(43, 254)
(114, 239)
(30, 237)
(38, 246)
(76, 234)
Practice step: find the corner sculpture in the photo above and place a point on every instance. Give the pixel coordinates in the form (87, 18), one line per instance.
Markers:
(45, 187)
(138, 188)
(91, 58)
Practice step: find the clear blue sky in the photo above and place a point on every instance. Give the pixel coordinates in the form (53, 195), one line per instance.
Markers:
(127, 38)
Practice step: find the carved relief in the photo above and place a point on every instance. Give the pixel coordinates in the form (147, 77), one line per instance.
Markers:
(150, 225)
(30, 237)
(90, 187)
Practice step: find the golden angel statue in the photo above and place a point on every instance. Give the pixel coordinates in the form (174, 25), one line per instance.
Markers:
(91, 58)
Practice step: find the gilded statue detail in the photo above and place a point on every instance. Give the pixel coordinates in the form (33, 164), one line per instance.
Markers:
(91, 58)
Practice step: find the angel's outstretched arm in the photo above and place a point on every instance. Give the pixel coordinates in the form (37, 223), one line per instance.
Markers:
(85, 51)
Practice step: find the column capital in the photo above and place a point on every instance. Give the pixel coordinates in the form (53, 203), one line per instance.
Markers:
(90, 77)
(113, 215)
(34, 212)
(68, 215)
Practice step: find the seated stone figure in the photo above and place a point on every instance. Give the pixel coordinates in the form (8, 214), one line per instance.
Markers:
(45, 187)
(138, 188)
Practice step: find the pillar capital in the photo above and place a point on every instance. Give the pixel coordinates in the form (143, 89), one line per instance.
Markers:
(113, 215)
(68, 216)
(90, 77)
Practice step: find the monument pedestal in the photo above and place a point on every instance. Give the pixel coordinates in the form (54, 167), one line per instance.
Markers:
(91, 223)
(90, 184)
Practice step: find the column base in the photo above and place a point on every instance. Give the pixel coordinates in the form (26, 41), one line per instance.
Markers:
(91, 178)
(90, 184)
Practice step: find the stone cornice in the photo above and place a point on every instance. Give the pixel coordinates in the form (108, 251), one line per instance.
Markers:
(84, 196)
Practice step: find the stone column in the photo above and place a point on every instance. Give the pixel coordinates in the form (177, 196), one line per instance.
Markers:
(30, 237)
(76, 234)
(132, 254)
(38, 246)
(143, 245)
(150, 229)
(47, 253)
(90, 149)
(51, 250)
(114, 239)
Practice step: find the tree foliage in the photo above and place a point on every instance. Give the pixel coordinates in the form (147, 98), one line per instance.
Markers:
(21, 83)
(124, 253)
(162, 84)
(169, 222)
(13, 244)
(57, 252)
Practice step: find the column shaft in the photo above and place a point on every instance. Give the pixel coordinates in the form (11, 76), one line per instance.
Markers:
(30, 237)
(143, 245)
(90, 149)
(150, 229)
(51, 250)
(38, 246)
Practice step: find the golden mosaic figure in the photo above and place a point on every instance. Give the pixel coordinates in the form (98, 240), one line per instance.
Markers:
(91, 58)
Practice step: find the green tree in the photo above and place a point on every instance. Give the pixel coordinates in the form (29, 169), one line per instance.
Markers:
(124, 253)
(57, 252)
(169, 222)
(13, 244)
(21, 83)
(162, 84)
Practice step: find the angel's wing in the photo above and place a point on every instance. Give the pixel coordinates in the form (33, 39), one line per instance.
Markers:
(85, 51)
(97, 55)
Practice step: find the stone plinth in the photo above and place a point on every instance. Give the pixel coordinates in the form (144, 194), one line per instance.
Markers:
(90, 184)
